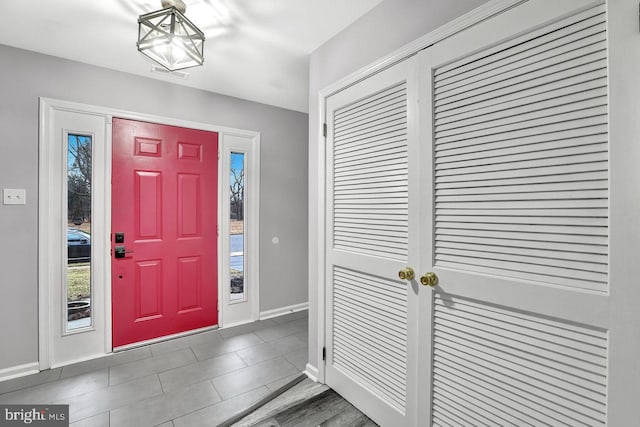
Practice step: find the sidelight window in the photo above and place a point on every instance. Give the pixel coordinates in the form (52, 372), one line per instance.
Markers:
(78, 230)
(237, 236)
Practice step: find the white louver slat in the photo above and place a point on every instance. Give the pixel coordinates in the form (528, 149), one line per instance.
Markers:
(521, 158)
(370, 176)
(496, 366)
(370, 332)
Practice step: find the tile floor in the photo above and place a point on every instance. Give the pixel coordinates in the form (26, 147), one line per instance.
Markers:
(199, 380)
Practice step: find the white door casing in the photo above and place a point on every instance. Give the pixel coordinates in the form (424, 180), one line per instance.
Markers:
(372, 226)
(58, 118)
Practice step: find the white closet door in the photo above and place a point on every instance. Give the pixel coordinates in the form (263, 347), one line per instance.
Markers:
(518, 193)
(371, 234)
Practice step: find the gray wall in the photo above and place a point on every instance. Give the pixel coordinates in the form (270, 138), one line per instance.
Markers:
(25, 76)
(387, 27)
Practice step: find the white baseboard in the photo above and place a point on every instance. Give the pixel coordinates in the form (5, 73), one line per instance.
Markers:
(312, 372)
(283, 310)
(19, 371)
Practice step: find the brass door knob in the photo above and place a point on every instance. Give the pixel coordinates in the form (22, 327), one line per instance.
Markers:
(406, 274)
(429, 279)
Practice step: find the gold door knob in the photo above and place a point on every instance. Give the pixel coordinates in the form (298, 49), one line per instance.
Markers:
(429, 279)
(406, 273)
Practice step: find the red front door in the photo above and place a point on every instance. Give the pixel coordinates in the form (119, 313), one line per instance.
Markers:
(164, 209)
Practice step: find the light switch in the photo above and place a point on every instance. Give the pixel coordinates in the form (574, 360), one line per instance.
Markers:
(13, 196)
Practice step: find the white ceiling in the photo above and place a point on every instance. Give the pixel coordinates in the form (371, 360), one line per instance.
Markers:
(254, 49)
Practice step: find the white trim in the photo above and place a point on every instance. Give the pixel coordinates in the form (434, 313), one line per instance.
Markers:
(254, 223)
(44, 325)
(165, 338)
(108, 152)
(125, 114)
(479, 14)
(248, 310)
(268, 314)
(46, 208)
(624, 204)
(18, 371)
(320, 238)
(311, 372)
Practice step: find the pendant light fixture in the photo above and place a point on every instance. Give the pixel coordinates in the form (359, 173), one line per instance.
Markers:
(169, 38)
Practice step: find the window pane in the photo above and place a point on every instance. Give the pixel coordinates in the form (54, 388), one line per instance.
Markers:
(78, 232)
(236, 229)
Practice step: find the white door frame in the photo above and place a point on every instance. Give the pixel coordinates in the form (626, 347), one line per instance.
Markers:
(317, 182)
(50, 210)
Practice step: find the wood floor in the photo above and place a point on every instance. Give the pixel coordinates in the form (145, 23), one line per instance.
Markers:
(307, 404)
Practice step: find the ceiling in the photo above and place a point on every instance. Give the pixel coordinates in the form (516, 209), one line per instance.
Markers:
(254, 49)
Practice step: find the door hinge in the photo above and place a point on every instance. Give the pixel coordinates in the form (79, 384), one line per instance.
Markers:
(324, 130)
(324, 353)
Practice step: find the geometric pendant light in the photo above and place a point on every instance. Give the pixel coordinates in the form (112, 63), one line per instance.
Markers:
(169, 38)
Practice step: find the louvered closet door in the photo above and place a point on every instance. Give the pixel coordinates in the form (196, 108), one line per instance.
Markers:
(519, 196)
(371, 223)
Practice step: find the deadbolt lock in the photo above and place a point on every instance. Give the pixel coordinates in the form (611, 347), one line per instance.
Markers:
(406, 274)
(121, 252)
(429, 279)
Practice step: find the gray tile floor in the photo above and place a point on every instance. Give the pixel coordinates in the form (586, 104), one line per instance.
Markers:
(199, 380)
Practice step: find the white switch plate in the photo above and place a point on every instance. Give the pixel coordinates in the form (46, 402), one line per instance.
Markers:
(11, 196)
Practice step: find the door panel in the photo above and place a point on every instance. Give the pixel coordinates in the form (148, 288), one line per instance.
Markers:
(525, 368)
(164, 200)
(519, 196)
(371, 351)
